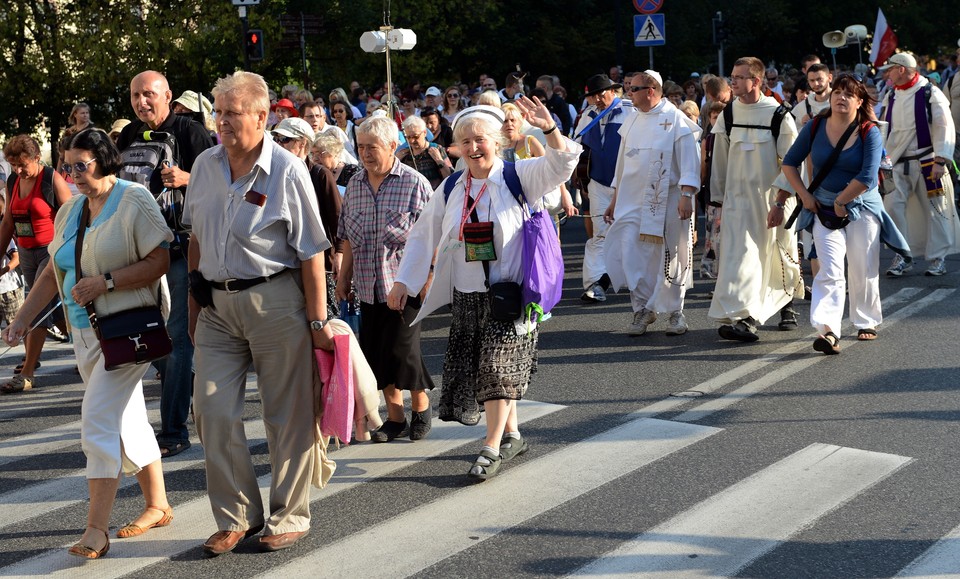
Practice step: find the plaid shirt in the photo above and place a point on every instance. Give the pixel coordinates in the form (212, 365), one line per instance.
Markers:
(377, 224)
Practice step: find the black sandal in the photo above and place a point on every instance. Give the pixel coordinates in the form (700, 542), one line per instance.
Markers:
(866, 334)
(486, 466)
(828, 343)
(170, 449)
(19, 367)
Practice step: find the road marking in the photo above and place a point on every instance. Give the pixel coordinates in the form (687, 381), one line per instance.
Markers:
(518, 496)
(942, 560)
(194, 523)
(783, 372)
(727, 531)
(719, 381)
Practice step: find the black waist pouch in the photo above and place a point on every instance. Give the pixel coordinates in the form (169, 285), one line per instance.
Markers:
(506, 301)
(200, 289)
(829, 219)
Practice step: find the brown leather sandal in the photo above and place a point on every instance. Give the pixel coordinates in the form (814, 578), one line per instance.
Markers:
(828, 343)
(85, 552)
(131, 530)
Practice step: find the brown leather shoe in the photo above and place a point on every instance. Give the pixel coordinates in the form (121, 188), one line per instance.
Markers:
(281, 541)
(225, 541)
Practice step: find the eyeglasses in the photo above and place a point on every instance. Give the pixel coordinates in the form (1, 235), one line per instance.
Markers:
(639, 88)
(318, 154)
(282, 140)
(339, 112)
(738, 78)
(413, 137)
(771, 78)
(489, 86)
(78, 167)
(453, 95)
(405, 101)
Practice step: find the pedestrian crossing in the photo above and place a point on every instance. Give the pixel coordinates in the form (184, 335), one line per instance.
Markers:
(714, 537)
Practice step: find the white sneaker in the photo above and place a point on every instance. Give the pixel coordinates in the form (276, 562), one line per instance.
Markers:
(641, 320)
(678, 324)
(899, 266)
(937, 267)
(594, 293)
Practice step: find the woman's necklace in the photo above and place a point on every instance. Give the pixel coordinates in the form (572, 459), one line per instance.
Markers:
(96, 203)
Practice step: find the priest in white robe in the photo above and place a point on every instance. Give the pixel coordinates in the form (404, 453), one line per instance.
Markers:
(759, 271)
(649, 246)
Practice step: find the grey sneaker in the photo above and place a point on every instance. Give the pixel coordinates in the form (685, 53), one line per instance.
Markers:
(678, 324)
(899, 266)
(594, 293)
(641, 320)
(937, 267)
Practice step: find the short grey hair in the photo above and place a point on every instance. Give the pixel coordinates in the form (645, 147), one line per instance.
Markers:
(249, 87)
(329, 142)
(384, 129)
(415, 123)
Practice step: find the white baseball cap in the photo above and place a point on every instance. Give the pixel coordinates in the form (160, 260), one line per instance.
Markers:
(900, 59)
(295, 128)
(433, 91)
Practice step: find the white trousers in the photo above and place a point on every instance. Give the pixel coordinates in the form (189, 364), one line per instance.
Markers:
(940, 233)
(593, 259)
(859, 242)
(114, 431)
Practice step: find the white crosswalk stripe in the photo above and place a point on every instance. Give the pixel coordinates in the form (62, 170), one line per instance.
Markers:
(719, 535)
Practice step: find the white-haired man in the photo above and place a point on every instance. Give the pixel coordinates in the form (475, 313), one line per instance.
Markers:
(258, 244)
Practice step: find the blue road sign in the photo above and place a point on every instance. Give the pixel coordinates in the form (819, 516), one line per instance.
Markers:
(648, 30)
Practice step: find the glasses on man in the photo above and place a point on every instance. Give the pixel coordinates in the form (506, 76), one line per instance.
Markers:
(282, 139)
(78, 167)
(489, 86)
(639, 88)
(738, 78)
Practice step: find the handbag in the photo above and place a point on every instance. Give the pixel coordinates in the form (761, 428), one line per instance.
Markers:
(829, 218)
(130, 337)
(337, 377)
(542, 266)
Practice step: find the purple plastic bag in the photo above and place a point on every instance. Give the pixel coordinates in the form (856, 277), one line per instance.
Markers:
(542, 266)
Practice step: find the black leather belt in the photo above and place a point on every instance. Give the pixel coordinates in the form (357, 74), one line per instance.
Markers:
(237, 285)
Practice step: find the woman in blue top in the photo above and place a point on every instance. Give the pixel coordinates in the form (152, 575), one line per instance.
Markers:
(124, 254)
(850, 191)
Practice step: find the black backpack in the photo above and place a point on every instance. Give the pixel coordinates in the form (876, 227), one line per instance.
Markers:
(143, 160)
(46, 187)
(778, 115)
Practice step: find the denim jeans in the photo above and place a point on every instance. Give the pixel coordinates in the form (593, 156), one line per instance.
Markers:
(176, 370)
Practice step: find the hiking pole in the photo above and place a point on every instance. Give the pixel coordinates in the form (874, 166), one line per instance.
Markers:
(32, 328)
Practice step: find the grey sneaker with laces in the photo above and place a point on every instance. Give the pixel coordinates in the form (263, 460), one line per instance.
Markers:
(937, 267)
(641, 320)
(678, 324)
(899, 266)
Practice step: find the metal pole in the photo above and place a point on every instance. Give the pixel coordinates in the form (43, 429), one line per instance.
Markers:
(650, 48)
(720, 69)
(243, 36)
(303, 50)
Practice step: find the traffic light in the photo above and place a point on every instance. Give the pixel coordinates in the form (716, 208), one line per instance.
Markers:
(254, 44)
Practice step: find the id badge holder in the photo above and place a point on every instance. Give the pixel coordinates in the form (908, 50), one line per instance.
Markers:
(23, 225)
(478, 241)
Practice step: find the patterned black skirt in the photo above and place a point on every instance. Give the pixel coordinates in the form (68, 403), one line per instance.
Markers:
(485, 359)
(392, 347)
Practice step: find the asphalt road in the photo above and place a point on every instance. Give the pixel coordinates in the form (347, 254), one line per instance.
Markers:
(777, 462)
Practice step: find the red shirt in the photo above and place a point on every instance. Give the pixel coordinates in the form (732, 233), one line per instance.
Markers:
(31, 214)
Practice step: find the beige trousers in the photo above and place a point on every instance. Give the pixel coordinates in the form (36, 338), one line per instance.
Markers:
(265, 325)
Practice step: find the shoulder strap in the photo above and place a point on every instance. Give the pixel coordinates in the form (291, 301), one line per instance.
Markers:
(778, 115)
(809, 108)
(512, 180)
(775, 121)
(824, 170)
(728, 117)
(449, 183)
(11, 182)
(46, 188)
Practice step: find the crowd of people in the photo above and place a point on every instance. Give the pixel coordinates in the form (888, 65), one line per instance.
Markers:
(254, 218)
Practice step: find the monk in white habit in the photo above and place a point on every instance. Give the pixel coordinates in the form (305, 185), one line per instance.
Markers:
(649, 246)
(759, 271)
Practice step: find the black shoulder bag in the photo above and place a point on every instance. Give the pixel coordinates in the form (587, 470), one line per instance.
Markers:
(130, 337)
(828, 218)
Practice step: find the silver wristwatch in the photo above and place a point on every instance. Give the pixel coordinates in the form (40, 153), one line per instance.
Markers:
(318, 324)
(108, 279)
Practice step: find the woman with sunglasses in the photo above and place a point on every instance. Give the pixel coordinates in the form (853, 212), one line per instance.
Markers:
(451, 105)
(849, 191)
(343, 118)
(29, 214)
(124, 255)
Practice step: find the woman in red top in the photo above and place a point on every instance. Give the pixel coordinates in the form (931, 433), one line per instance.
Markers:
(33, 194)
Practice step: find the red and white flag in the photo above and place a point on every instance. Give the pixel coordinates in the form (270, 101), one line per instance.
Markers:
(884, 41)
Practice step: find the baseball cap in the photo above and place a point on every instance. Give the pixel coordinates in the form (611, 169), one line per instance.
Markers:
(192, 100)
(900, 59)
(295, 128)
(433, 91)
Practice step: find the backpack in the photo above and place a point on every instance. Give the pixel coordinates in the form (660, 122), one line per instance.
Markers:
(46, 187)
(778, 115)
(143, 160)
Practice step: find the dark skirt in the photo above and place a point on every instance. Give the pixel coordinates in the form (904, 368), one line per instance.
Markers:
(392, 346)
(485, 359)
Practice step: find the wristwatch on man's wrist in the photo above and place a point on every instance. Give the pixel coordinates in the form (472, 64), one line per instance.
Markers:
(318, 324)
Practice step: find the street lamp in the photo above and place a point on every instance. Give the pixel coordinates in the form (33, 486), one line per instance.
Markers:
(384, 40)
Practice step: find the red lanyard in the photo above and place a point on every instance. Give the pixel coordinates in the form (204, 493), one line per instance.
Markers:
(465, 215)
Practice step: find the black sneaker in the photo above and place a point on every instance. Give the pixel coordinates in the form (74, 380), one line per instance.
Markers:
(420, 424)
(788, 318)
(389, 431)
(742, 331)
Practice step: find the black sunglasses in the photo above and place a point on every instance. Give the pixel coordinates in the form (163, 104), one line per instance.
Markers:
(281, 139)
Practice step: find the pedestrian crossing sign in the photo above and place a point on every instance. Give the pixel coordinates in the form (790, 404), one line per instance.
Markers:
(648, 30)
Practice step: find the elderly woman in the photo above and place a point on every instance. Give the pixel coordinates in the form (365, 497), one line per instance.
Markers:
(488, 361)
(381, 204)
(34, 194)
(849, 191)
(296, 136)
(428, 159)
(124, 254)
(328, 151)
